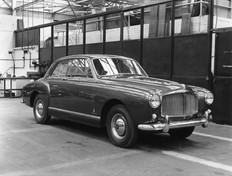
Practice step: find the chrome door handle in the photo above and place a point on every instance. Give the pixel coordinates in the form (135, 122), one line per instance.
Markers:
(227, 66)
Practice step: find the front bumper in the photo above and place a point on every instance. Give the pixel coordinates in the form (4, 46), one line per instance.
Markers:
(204, 121)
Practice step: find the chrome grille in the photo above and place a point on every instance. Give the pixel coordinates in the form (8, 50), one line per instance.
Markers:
(181, 104)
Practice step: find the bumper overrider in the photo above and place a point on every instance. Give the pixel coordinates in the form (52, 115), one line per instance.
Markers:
(204, 120)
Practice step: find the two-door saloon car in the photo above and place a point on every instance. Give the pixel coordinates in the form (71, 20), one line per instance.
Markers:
(115, 92)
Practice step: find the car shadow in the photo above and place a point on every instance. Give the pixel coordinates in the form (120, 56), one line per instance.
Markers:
(147, 142)
(80, 129)
(161, 141)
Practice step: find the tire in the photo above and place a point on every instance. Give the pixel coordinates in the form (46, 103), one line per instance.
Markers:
(181, 133)
(120, 128)
(40, 109)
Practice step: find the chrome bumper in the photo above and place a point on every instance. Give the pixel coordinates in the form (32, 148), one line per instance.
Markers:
(204, 121)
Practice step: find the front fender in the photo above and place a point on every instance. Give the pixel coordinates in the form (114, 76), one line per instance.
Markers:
(34, 88)
(136, 102)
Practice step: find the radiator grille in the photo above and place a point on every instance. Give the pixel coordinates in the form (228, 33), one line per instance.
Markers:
(181, 104)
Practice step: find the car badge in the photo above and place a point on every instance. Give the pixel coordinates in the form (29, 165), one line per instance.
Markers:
(184, 86)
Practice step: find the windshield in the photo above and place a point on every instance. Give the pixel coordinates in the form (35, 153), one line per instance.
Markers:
(117, 67)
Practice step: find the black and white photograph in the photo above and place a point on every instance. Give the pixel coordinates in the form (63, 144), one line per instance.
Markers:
(116, 87)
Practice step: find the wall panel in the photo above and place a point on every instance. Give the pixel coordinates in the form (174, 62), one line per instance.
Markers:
(131, 48)
(75, 49)
(191, 56)
(157, 56)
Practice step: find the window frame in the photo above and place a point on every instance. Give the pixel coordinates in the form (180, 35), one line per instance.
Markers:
(68, 69)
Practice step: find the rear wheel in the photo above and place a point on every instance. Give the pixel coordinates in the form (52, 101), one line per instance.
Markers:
(120, 128)
(181, 133)
(40, 109)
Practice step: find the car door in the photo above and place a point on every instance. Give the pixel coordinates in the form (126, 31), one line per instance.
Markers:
(72, 92)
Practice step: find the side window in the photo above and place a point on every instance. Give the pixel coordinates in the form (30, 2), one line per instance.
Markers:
(61, 69)
(73, 68)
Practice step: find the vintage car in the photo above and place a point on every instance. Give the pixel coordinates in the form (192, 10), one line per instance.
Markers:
(115, 92)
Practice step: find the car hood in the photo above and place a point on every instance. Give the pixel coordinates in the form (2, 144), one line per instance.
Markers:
(160, 86)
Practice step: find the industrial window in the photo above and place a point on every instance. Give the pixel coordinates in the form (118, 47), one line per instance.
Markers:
(75, 33)
(131, 24)
(113, 24)
(94, 30)
(45, 37)
(59, 35)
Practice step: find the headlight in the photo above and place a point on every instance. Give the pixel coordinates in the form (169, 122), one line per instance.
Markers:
(154, 101)
(201, 94)
(209, 98)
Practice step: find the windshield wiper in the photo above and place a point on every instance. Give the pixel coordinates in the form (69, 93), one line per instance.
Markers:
(120, 75)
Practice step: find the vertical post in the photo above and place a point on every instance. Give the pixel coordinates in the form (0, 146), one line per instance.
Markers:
(23, 26)
(4, 87)
(172, 39)
(141, 35)
(13, 6)
(200, 15)
(11, 88)
(201, 8)
(104, 34)
(39, 55)
(210, 33)
(22, 39)
(122, 31)
(67, 38)
(52, 43)
(28, 39)
(84, 35)
(230, 9)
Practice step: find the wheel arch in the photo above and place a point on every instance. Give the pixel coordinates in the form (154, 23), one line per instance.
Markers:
(106, 108)
(32, 98)
(40, 87)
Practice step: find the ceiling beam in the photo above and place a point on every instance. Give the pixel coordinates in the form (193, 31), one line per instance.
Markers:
(7, 4)
(71, 8)
(28, 4)
(61, 9)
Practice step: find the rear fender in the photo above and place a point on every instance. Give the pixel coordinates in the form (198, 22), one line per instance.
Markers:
(41, 88)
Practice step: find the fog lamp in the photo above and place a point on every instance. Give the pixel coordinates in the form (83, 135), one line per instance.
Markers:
(154, 116)
(209, 98)
(154, 101)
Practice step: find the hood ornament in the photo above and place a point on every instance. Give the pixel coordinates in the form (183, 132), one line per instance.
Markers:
(184, 86)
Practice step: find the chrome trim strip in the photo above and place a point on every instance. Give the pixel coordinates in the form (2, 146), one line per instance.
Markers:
(178, 91)
(172, 125)
(75, 113)
(185, 115)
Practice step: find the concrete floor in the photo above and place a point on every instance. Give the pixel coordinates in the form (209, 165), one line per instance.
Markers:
(64, 148)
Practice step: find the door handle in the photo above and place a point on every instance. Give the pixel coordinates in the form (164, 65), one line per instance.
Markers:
(227, 66)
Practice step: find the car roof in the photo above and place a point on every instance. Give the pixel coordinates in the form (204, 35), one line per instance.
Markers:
(91, 56)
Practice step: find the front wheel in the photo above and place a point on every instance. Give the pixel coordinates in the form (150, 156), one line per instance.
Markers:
(120, 128)
(181, 133)
(40, 109)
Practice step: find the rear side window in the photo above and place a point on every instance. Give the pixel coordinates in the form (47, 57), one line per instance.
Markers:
(72, 68)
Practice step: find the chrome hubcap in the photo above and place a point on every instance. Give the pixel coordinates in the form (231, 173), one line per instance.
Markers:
(118, 125)
(39, 109)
